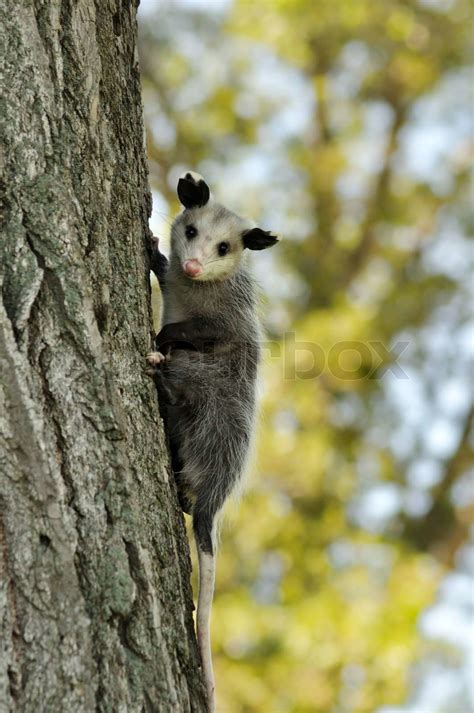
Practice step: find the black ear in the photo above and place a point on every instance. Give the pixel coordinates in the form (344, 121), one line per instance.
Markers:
(192, 193)
(258, 239)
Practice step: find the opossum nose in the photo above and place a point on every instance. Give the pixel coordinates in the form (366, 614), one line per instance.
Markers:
(193, 268)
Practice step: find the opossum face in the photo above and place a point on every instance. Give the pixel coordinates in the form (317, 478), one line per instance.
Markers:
(208, 243)
(207, 239)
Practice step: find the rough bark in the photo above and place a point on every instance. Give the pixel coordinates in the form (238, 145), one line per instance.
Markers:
(95, 599)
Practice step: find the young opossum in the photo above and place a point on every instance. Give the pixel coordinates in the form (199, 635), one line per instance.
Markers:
(206, 366)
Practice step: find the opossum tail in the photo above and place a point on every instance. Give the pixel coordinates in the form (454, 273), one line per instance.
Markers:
(204, 526)
(203, 531)
(207, 570)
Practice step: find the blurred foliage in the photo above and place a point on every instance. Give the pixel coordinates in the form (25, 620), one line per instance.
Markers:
(319, 594)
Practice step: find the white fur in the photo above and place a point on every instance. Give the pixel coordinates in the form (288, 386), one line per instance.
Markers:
(215, 224)
(196, 176)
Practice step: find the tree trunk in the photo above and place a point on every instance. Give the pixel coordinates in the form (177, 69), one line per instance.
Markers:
(95, 598)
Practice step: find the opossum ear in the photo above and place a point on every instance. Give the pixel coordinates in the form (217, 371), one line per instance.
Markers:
(193, 191)
(258, 239)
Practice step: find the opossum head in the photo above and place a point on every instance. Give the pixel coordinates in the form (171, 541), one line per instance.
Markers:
(208, 240)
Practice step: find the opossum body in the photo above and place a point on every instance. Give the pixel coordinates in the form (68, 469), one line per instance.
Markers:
(206, 368)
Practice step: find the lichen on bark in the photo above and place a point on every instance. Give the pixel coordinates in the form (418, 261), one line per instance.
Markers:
(95, 599)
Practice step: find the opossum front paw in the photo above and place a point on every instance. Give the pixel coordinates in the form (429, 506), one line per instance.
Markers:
(154, 360)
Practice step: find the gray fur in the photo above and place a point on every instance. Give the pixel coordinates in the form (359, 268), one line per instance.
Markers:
(212, 421)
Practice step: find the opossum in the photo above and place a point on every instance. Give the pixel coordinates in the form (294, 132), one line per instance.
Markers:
(205, 365)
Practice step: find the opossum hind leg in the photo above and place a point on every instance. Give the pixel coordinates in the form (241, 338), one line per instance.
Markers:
(185, 500)
(203, 532)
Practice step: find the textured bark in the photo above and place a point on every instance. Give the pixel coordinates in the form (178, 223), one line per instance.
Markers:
(95, 599)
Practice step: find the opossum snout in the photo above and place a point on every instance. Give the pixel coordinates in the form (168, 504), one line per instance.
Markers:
(192, 268)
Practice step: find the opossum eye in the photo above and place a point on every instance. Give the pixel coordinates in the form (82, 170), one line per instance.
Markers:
(223, 249)
(190, 231)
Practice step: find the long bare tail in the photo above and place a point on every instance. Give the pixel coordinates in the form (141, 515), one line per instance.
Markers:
(207, 575)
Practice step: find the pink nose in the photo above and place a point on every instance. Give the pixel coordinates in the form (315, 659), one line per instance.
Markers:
(193, 268)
